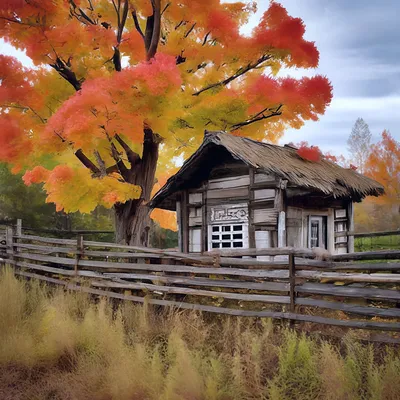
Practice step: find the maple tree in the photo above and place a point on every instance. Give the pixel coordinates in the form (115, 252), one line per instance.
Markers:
(121, 88)
(383, 165)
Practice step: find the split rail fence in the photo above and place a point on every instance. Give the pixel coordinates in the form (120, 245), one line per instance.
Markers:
(362, 287)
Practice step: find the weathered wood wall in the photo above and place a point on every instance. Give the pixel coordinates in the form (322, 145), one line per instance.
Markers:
(277, 215)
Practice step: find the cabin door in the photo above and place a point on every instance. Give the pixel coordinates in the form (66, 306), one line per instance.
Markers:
(317, 232)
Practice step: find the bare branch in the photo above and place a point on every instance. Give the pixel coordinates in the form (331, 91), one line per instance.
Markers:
(65, 71)
(190, 30)
(241, 71)
(121, 168)
(153, 29)
(165, 8)
(81, 14)
(258, 117)
(206, 38)
(137, 24)
(133, 157)
(86, 161)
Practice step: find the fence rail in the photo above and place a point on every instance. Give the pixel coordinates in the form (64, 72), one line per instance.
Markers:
(296, 287)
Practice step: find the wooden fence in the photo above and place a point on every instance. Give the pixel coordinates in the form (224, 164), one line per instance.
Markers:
(298, 287)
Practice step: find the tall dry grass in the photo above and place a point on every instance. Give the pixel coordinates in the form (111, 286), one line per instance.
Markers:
(57, 345)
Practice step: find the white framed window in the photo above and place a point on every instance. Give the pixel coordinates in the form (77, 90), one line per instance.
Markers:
(228, 236)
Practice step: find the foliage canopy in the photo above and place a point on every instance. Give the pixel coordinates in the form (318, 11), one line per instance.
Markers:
(112, 76)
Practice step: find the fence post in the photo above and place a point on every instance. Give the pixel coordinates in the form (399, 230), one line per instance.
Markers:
(292, 282)
(10, 243)
(79, 252)
(18, 231)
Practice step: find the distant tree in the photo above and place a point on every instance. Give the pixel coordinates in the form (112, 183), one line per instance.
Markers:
(20, 201)
(359, 143)
(383, 165)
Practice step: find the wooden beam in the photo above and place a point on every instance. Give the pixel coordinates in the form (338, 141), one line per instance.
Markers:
(204, 223)
(350, 227)
(292, 283)
(252, 235)
(185, 221)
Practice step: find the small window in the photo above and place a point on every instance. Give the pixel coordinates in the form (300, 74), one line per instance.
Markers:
(228, 236)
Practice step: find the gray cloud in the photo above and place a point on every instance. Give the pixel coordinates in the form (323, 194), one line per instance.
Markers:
(359, 47)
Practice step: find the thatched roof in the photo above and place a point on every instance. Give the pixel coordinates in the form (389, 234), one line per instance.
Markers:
(323, 176)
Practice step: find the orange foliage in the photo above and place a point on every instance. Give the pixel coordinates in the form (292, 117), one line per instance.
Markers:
(166, 219)
(310, 153)
(91, 84)
(383, 165)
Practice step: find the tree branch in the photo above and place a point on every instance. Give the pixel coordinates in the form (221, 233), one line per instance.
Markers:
(133, 157)
(121, 168)
(151, 143)
(241, 71)
(137, 24)
(86, 162)
(190, 30)
(82, 14)
(153, 29)
(65, 71)
(258, 117)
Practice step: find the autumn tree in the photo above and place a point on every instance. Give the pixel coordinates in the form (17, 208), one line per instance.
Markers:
(383, 165)
(121, 88)
(359, 143)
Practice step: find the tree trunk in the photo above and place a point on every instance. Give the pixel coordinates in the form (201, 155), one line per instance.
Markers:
(132, 219)
(132, 223)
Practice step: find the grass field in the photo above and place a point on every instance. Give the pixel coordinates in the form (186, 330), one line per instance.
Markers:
(57, 345)
(377, 243)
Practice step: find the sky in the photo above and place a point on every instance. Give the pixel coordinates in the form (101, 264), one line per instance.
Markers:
(359, 44)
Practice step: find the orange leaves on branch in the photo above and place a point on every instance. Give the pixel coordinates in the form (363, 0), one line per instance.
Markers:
(14, 144)
(303, 99)
(222, 25)
(115, 105)
(15, 85)
(75, 189)
(166, 219)
(278, 30)
(38, 174)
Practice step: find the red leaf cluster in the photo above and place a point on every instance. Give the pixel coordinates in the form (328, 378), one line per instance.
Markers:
(312, 153)
(279, 30)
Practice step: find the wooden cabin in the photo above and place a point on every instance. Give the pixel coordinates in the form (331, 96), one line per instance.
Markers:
(234, 193)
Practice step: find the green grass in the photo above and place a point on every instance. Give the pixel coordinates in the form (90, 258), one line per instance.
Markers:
(377, 243)
(58, 345)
